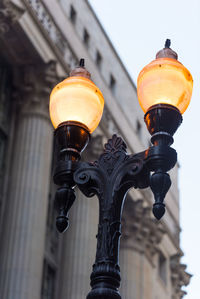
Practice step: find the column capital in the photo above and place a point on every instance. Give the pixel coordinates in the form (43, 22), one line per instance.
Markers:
(179, 276)
(33, 85)
(9, 14)
(139, 230)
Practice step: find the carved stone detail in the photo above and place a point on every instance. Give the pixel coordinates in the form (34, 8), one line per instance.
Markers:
(179, 277)
(9, 14)
(53, 32)
(139, 230)
(33, 85)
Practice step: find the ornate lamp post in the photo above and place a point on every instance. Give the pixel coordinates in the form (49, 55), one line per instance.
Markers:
(76, 107)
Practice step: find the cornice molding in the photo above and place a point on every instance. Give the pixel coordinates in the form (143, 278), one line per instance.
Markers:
(52, 31)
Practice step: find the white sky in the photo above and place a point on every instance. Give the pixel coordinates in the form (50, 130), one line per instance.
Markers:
(138, 29)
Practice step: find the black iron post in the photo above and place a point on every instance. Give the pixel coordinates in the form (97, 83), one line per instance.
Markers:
(110, 178)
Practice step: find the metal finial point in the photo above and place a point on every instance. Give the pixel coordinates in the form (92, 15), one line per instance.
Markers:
(82, 62)
(167, 43)
(80, 70)
(167, 51)
(158, 210)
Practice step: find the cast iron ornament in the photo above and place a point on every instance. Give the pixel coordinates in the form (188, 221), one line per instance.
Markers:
(110, 178)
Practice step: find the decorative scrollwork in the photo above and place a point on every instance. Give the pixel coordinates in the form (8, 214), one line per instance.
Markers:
(115, 144)
(89, 179)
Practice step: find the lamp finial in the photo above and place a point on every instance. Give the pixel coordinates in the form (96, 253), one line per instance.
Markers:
(82, 62)
(167, 43)
(80, 70)
(167, 51)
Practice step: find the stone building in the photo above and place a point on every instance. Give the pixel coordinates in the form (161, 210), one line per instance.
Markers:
(40, 41)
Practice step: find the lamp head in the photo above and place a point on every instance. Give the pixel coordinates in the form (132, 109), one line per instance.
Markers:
(77, 99)
(164, 89)
(165, 81)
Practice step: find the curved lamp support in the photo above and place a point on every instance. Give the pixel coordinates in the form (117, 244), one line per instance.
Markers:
(110, 178)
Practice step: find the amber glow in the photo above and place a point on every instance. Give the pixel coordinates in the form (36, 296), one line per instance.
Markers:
(164, 81)
(76, 99)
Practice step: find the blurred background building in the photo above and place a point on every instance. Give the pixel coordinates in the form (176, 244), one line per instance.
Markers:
(40, 42)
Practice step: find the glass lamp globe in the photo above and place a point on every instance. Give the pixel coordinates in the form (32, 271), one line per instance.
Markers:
(165, 81)
(76, 99)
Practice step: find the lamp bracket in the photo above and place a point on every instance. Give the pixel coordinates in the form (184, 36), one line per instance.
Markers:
(110, 178)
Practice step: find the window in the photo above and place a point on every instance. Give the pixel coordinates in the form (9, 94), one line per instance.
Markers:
(5, 105)
(162, 267)
(73, 14)
(98, 59)
(112, 83)
(52, 246)
(48, 282)
(86, 37)
(138, 128)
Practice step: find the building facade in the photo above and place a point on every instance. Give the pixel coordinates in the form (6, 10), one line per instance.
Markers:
(40, 42)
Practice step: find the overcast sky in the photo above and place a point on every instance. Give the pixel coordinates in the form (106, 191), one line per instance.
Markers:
(138, 29)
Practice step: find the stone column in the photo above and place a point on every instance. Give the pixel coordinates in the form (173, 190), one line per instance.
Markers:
(79, 241)
(23, 237)
(79, 247)
(131, 264)
(140, 238)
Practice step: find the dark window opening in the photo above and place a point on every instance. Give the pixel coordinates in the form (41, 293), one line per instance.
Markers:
(138, 127)
(112, 83)
(5, 116)
(98, 59)
(73, 14)
(86, 37)
(48, 282)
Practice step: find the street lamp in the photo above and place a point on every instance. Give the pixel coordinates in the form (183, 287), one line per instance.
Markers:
(76, 107)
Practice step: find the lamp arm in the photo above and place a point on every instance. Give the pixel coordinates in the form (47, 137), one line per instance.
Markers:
(110, 178)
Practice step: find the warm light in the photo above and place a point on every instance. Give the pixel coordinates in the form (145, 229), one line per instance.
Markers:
(76, 99)
(164, 81)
